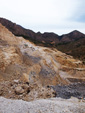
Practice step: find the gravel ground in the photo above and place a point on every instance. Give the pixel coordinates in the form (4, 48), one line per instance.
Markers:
(75, 90)
(54, 105)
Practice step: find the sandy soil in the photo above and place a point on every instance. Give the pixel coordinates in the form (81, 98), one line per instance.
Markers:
(54, 105)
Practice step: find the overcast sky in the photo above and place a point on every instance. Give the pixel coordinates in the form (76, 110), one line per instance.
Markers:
(59, 16)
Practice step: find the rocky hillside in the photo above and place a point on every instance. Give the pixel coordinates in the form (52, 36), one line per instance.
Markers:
(72, 43)
(27, 71)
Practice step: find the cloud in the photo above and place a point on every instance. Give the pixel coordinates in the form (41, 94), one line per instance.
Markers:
(38, 10)
(45, 15)
(79, 14)
(80, 18)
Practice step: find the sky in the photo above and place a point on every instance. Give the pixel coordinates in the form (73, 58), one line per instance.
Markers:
(58, 16)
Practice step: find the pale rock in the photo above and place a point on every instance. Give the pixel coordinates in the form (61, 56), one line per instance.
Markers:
(19, 90)
(25, 77)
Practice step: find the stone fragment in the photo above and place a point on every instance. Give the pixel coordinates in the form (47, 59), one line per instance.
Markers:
(25, 78)
(19, 90)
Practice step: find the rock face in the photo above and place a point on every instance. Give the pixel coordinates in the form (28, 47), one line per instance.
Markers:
(27, 71)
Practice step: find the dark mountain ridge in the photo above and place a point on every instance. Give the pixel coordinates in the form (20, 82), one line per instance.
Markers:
(46, 37)
(28, 34)
(72, 36)
(72, 43)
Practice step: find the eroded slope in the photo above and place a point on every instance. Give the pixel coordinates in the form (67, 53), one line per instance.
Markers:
(27, 70)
